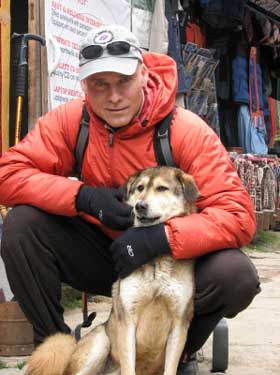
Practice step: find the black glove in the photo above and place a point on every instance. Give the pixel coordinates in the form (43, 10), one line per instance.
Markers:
(138, 246)
(106, 205)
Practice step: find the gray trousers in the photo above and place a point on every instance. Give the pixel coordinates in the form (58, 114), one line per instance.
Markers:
(40, 251)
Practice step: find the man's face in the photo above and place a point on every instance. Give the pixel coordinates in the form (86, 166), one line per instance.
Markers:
(114, 97)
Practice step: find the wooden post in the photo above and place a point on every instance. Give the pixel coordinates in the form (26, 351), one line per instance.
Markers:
(37, 73)
(5, 32)
(44, 61)
(5, 25)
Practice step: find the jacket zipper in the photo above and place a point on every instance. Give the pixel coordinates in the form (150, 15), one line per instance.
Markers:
(111, 138)
(111, 134)
(111, 144)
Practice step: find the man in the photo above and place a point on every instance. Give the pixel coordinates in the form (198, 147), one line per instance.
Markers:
(64, 230)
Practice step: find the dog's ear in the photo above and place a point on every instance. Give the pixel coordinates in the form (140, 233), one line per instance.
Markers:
(191, 192)
(128, 186)
(125, 189)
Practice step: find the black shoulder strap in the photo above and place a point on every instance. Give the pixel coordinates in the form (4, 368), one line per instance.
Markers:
(82, 141)
(162, 145)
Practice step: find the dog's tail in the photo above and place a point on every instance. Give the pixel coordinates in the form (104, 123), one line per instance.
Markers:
(52, 356)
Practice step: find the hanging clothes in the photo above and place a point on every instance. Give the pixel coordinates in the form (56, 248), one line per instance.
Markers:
(223, 14)
(159, 29)
(240, 70)
(277, 120)
(275, 88)
(250, 136)
(267, 121)
(174, 43)
(240, 87)
(201, 96)
(194, 34)
(255, 92)
(141, 20)
(251, 124)
(228, 111)
(271, 105)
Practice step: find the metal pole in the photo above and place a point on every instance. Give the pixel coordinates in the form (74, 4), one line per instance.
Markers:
(21, 87)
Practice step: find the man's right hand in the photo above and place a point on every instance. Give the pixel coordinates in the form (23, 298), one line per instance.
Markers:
(106, 205)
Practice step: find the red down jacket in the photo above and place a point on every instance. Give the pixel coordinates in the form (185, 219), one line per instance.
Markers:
(35, 171)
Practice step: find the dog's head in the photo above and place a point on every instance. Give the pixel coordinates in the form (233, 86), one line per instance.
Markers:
(157, 194)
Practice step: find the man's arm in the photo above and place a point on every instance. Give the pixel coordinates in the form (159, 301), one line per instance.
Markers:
(35, 171)
(226, 216)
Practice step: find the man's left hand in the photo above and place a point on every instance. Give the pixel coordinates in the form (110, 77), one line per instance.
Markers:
(138, 246)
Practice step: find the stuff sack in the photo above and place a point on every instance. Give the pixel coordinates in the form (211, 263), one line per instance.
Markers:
(251, 132)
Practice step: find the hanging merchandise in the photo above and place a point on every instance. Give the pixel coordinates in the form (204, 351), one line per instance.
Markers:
(271, 105)
(250, 134)
(174, 42)
(200, 65)
(223, 14)
(141, 20)
(256, 96)
(228, 112)
(275, 86)
(245, 67)
(239, 77)
(194, 34)
(276, 145)
(247, 91)
(222, 43)
(267, 121)
(159, 29)
(261, 178)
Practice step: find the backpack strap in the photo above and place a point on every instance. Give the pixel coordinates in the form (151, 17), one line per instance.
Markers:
(162, 147)
(82, 141)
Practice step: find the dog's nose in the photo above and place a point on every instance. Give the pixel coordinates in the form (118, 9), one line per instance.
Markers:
(141, 207)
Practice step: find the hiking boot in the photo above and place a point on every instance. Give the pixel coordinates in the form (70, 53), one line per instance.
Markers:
(189, 367)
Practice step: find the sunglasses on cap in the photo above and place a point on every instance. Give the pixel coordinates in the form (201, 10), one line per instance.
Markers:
(94, 51)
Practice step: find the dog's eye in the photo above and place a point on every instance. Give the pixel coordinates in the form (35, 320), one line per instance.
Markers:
(161, 188)
(140, 188)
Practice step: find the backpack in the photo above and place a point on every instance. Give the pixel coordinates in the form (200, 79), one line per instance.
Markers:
(161, 142)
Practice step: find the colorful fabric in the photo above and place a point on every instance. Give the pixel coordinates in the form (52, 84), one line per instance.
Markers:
(260, 175)
(277, 120)
(195, 35)
(271, 105)
(201, 98)
(240, 88)
(174, 44)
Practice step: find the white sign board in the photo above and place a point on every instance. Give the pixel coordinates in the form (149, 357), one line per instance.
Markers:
(66, 24)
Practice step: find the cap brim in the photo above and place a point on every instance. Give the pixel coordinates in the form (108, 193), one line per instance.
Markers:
(117, 64)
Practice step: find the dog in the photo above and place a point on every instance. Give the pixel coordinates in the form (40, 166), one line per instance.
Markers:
(151, 308)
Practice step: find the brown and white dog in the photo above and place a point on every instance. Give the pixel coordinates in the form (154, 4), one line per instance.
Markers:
(151, 308)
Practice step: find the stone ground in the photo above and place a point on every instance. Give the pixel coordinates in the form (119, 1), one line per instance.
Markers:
(254, 335)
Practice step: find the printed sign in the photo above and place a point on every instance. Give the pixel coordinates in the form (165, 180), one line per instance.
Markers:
(66, 24)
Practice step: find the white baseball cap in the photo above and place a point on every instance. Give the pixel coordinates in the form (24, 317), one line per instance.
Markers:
(110, 48)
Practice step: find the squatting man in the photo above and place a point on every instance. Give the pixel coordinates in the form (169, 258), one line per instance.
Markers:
(76, 232)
